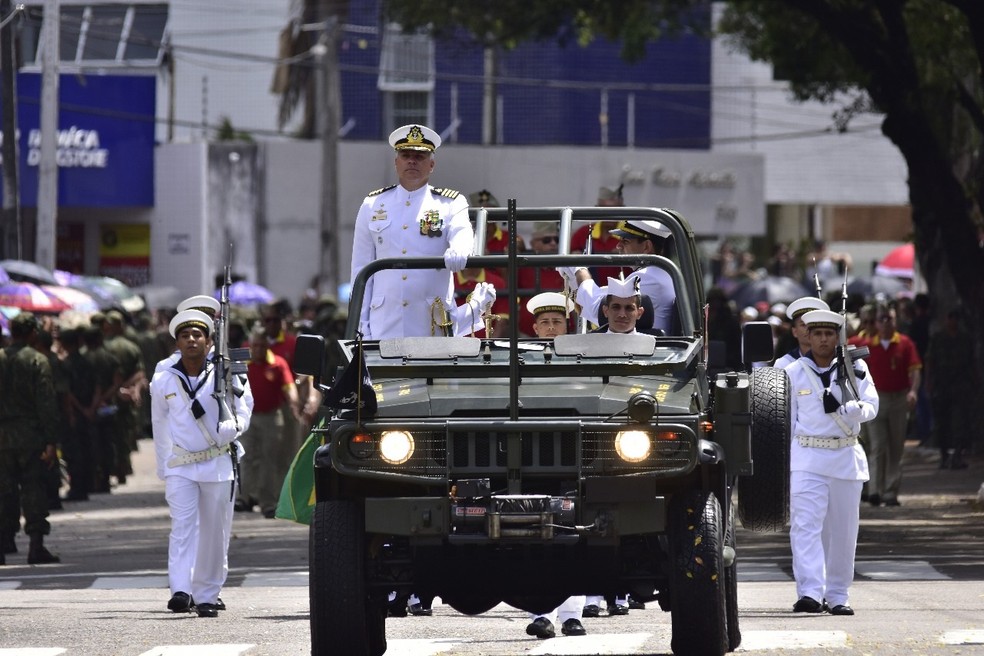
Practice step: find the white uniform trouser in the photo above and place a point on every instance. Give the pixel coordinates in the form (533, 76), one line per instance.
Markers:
(823, 534)
(201, 522)
(599, 600)
(569, 610)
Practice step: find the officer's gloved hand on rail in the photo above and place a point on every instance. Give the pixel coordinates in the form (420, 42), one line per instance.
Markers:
(482, 297)
(455, 261)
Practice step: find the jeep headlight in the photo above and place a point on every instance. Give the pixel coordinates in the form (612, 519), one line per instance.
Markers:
(633, 445)
(396, 447)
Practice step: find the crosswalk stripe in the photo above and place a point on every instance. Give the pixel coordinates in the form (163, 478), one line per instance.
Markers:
(970, 637)
(758, 640)
(198, 650)
(593, 643)
(9, 585)
(275, 579)
(420, 647)
(899, 570)
(128, 582)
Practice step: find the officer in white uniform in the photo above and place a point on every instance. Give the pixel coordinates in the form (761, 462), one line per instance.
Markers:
(636, 237)
(413, 219)
(795, 312)
(194, 460)
(827, 469)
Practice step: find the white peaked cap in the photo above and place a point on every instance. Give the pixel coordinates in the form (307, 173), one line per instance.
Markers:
(195, 318)
(823, 319)
(199, 303)
(549, 302)
(805, 304)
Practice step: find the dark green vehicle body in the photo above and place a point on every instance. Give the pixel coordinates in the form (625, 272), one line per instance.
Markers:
(516, 491)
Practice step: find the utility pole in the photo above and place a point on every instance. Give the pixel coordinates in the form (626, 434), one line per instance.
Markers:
(10, 219)
(48, 165)
(329, 98)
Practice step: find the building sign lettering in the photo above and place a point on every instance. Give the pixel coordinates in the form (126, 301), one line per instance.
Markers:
(77, 147)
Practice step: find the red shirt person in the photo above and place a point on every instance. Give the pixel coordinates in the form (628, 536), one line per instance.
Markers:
(545, 241)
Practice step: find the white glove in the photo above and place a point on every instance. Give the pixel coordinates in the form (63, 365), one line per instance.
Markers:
(228, 431)
(851, 411)
(483, 296)
(455, 261)
(569, 274)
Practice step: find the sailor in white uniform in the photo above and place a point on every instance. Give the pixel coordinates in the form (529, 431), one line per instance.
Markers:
(202, 303)
(194, 459)
(636, 237)
(827, 469)
(795, 312)
(414, 219)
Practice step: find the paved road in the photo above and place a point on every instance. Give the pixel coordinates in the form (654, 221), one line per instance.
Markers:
(918, 588)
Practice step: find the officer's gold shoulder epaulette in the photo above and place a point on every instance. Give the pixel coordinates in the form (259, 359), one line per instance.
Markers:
(444, 191)
(380, 190)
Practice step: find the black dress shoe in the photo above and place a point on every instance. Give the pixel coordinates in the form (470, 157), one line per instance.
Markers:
(41, 556)
(807, 605)
(842, 609)
(892, 503)
(180, 602)
(874, 500)
(591, 610)
(219, 604)
(207, 610)
(636, 605)
(396, 610)
(572, 627)
(542, 628)
(617, 609)
(417, 610)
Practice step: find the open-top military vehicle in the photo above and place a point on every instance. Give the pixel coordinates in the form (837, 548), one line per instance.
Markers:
(525, 471)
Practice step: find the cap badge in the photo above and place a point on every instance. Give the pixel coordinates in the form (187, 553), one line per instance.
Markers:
(415, 136)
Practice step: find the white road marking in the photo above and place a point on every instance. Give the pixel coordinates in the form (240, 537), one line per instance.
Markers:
(971, 637)
(758, 640)
(593, 643)
(899, 570)
(128, 582)
(274, 579)
(9, 585)
(31, 651)
(198, 650)
(761, 572)
(417, 647)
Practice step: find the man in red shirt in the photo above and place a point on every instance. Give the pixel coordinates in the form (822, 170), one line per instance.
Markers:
(602, 240)
(274, 395)
(545, 241)
(896, 371)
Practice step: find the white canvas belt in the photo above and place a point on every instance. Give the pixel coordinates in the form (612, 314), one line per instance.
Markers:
(811, 375)
(185, 457)
(826, 442)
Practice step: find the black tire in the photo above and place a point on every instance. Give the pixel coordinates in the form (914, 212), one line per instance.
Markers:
(343, 618)
(698, 608)
(763, 498)
(731, 581)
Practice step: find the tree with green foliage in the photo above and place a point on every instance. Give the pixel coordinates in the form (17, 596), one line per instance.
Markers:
(918, 62)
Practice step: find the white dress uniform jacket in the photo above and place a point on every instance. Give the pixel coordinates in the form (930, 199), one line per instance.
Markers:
(396, 223)
(175, 425)
(653, 282)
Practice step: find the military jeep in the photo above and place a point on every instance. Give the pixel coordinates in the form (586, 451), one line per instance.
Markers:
(506, 469)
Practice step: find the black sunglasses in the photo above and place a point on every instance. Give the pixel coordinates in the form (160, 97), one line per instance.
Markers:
(549, 239)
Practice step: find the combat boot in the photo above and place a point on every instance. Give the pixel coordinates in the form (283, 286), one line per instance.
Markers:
(38, 555)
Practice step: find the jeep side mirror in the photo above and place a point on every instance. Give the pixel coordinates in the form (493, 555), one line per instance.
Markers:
(756, 342)
(309, 356)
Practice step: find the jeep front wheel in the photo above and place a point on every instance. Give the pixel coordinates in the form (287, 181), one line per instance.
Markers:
(343, 618)
(698, 608)
(763, 498)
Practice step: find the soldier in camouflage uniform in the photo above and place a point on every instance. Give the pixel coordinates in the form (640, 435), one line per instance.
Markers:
(81, 416)
(129, 397)
(27, 436)
(107, 375)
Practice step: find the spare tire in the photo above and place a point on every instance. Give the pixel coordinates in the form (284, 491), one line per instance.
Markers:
(763, 497)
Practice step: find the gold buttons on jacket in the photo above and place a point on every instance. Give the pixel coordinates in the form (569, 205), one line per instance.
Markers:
(404, 276)
(406, 303)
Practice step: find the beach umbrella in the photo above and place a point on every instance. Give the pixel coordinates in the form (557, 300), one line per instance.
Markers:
(769, 289)
(109, 293)
(77, 299)
(26, 271)
(876, 284)
(30, 298)
(899, 263)
(247, 293)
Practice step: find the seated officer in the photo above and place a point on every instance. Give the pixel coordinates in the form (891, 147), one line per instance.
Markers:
(622, 306)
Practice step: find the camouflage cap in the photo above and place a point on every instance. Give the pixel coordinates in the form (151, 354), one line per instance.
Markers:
(114, 317)
(25, 322)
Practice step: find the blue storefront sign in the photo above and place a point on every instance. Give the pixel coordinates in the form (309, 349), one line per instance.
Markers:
(105, 140)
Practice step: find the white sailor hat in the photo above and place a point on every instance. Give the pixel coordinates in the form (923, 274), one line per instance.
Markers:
(641, 228)
(823, 319)
(415, 137)
(549, 302)
(195, 318)
(805, 304)
(623, 288)
(202, 303)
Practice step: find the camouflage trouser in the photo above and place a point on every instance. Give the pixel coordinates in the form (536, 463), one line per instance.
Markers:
(23, 471)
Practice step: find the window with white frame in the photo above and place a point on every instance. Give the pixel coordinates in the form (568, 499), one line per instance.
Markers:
(406, 77)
